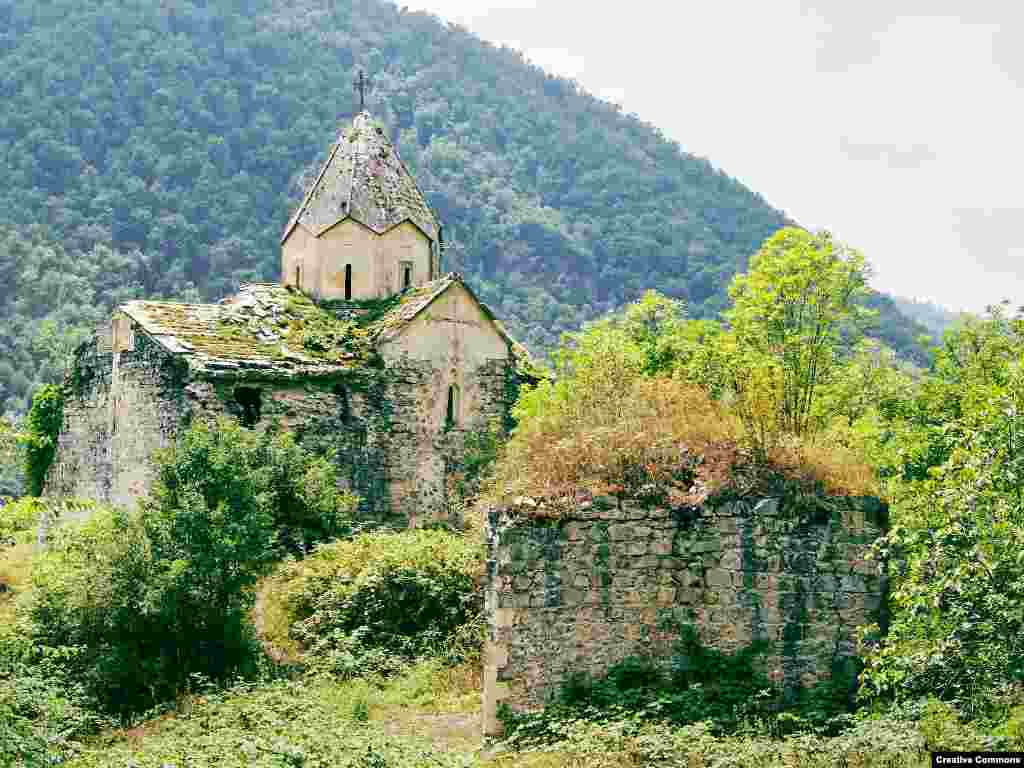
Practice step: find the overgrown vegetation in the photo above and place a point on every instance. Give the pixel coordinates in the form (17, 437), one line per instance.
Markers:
(651, 400)
(12, 464)
(43, 425)
(131, 604)
(955, 454)
(379, 600)
(153, 607)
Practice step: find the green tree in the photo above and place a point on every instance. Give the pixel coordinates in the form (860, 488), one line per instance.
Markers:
(873, 378)
(136, 602)
(957, 630)
(12, 464)
(43, 427)
(789, 311)
(957, 461)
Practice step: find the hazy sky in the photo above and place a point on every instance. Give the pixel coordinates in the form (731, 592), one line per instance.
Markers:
(897, 125)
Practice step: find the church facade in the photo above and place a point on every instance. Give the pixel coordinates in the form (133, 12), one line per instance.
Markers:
(364, 347)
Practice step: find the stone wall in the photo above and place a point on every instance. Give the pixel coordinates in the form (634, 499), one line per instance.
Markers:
(592, 587)
(385, 424)
(119, 407)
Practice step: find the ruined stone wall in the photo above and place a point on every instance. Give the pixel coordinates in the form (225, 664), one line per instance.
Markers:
(120, 406)
(348, 414)
(392, 449)
(583, 592)
(82, 464)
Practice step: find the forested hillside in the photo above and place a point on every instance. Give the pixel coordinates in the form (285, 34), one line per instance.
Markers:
(932, 316)
(156, 149)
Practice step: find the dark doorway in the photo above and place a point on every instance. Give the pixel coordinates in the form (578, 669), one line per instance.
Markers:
(348, 282)
(249, 400)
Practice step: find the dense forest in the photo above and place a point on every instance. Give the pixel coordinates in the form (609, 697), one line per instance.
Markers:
(156, 149)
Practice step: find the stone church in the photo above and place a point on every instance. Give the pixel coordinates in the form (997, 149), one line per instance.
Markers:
(364, 347)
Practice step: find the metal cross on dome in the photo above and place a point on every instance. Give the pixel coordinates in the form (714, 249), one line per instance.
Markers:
(361, 84)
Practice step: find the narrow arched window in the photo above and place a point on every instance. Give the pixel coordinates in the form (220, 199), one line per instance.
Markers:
(298, 277)
(348, 282)
(344, 408)
(406, 275)
(452, 415)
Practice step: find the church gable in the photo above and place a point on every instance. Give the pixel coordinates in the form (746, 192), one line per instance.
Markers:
(451, 324)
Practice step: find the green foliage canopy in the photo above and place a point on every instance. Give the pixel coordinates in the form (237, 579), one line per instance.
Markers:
(43, 425)
(956, 456)
(789, 309)
(136, 602)
(376, 601)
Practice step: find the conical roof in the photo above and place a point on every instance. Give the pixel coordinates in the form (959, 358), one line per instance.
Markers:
(365, 179)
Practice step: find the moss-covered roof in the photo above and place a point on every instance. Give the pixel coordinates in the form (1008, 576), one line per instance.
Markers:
(365, 179)
(265, 328)
(268, 330)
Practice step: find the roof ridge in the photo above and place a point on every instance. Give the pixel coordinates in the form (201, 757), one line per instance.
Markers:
(372, 187)
(309, 194)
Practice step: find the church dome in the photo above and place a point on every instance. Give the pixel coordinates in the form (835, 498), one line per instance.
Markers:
(364, 179)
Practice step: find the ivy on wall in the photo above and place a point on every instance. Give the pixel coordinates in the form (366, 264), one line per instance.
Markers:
(44, 423)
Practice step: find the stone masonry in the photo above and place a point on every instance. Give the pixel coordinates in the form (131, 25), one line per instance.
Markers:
(591, 587)
(381, 423)
(364, 349)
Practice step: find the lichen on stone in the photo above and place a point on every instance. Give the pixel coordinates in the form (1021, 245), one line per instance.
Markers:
(365, 179)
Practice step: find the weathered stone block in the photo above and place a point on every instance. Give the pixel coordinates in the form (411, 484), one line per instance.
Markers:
(718, 577)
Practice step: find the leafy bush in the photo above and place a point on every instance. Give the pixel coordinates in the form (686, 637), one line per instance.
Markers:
(20, 520)
(957, 628)
(43, 426)
(18, 517)
(101, 601)
(138, 602)
(12, 464)
(280, 497)
(380, 599)
(42, 721)
(309, 722)
(636, 741)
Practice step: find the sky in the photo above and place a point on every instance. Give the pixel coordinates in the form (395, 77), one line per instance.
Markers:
(896, 125)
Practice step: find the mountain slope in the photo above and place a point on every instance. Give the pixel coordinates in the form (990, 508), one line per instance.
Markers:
(932, 316)
(172, 140)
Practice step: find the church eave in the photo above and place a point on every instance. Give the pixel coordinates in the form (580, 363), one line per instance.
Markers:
(380, 232)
